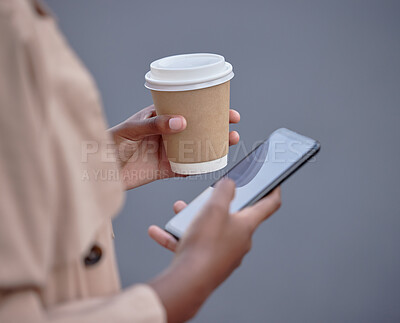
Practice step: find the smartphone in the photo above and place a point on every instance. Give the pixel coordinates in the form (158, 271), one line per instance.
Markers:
(256, 175)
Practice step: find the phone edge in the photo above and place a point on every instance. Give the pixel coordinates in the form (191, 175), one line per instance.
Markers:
(284, 176)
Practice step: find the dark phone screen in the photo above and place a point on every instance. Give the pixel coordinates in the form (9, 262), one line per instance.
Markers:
(253, 174)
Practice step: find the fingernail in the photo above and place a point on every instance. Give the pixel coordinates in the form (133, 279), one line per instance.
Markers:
(175, 123)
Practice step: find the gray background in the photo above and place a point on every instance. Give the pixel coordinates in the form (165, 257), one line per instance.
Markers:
(328, 69)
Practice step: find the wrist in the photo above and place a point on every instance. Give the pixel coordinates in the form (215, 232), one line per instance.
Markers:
(182, 288)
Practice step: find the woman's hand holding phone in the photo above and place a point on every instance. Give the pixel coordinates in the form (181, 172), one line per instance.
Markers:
(210, 250)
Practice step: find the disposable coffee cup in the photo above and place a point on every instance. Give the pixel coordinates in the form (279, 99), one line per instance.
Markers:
(195, 86)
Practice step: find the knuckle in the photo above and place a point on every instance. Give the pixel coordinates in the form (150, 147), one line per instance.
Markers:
(156, 124)
(249, 227)
(153, 124)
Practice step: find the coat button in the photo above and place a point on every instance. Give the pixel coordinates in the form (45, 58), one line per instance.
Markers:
(94, 256)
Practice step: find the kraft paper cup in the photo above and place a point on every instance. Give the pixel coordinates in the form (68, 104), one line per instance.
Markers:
(195, 86)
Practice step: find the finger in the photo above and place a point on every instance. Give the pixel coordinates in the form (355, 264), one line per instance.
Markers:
(163, 124)
(223, 194)
(264, 208)
(234, 138)
(234, 116)
(149, 111)
(162, 237)
(179, 206)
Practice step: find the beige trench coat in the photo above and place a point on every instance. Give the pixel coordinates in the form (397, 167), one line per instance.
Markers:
(57, 261)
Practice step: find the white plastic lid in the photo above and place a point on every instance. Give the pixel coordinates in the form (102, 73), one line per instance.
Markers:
(188, 72)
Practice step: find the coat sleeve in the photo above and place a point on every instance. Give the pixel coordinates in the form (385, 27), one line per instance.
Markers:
(138, 303)
(27, 199)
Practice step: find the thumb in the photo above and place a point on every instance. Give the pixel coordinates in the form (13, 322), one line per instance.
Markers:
(223, 194)
(163, 124)
(217, 206)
